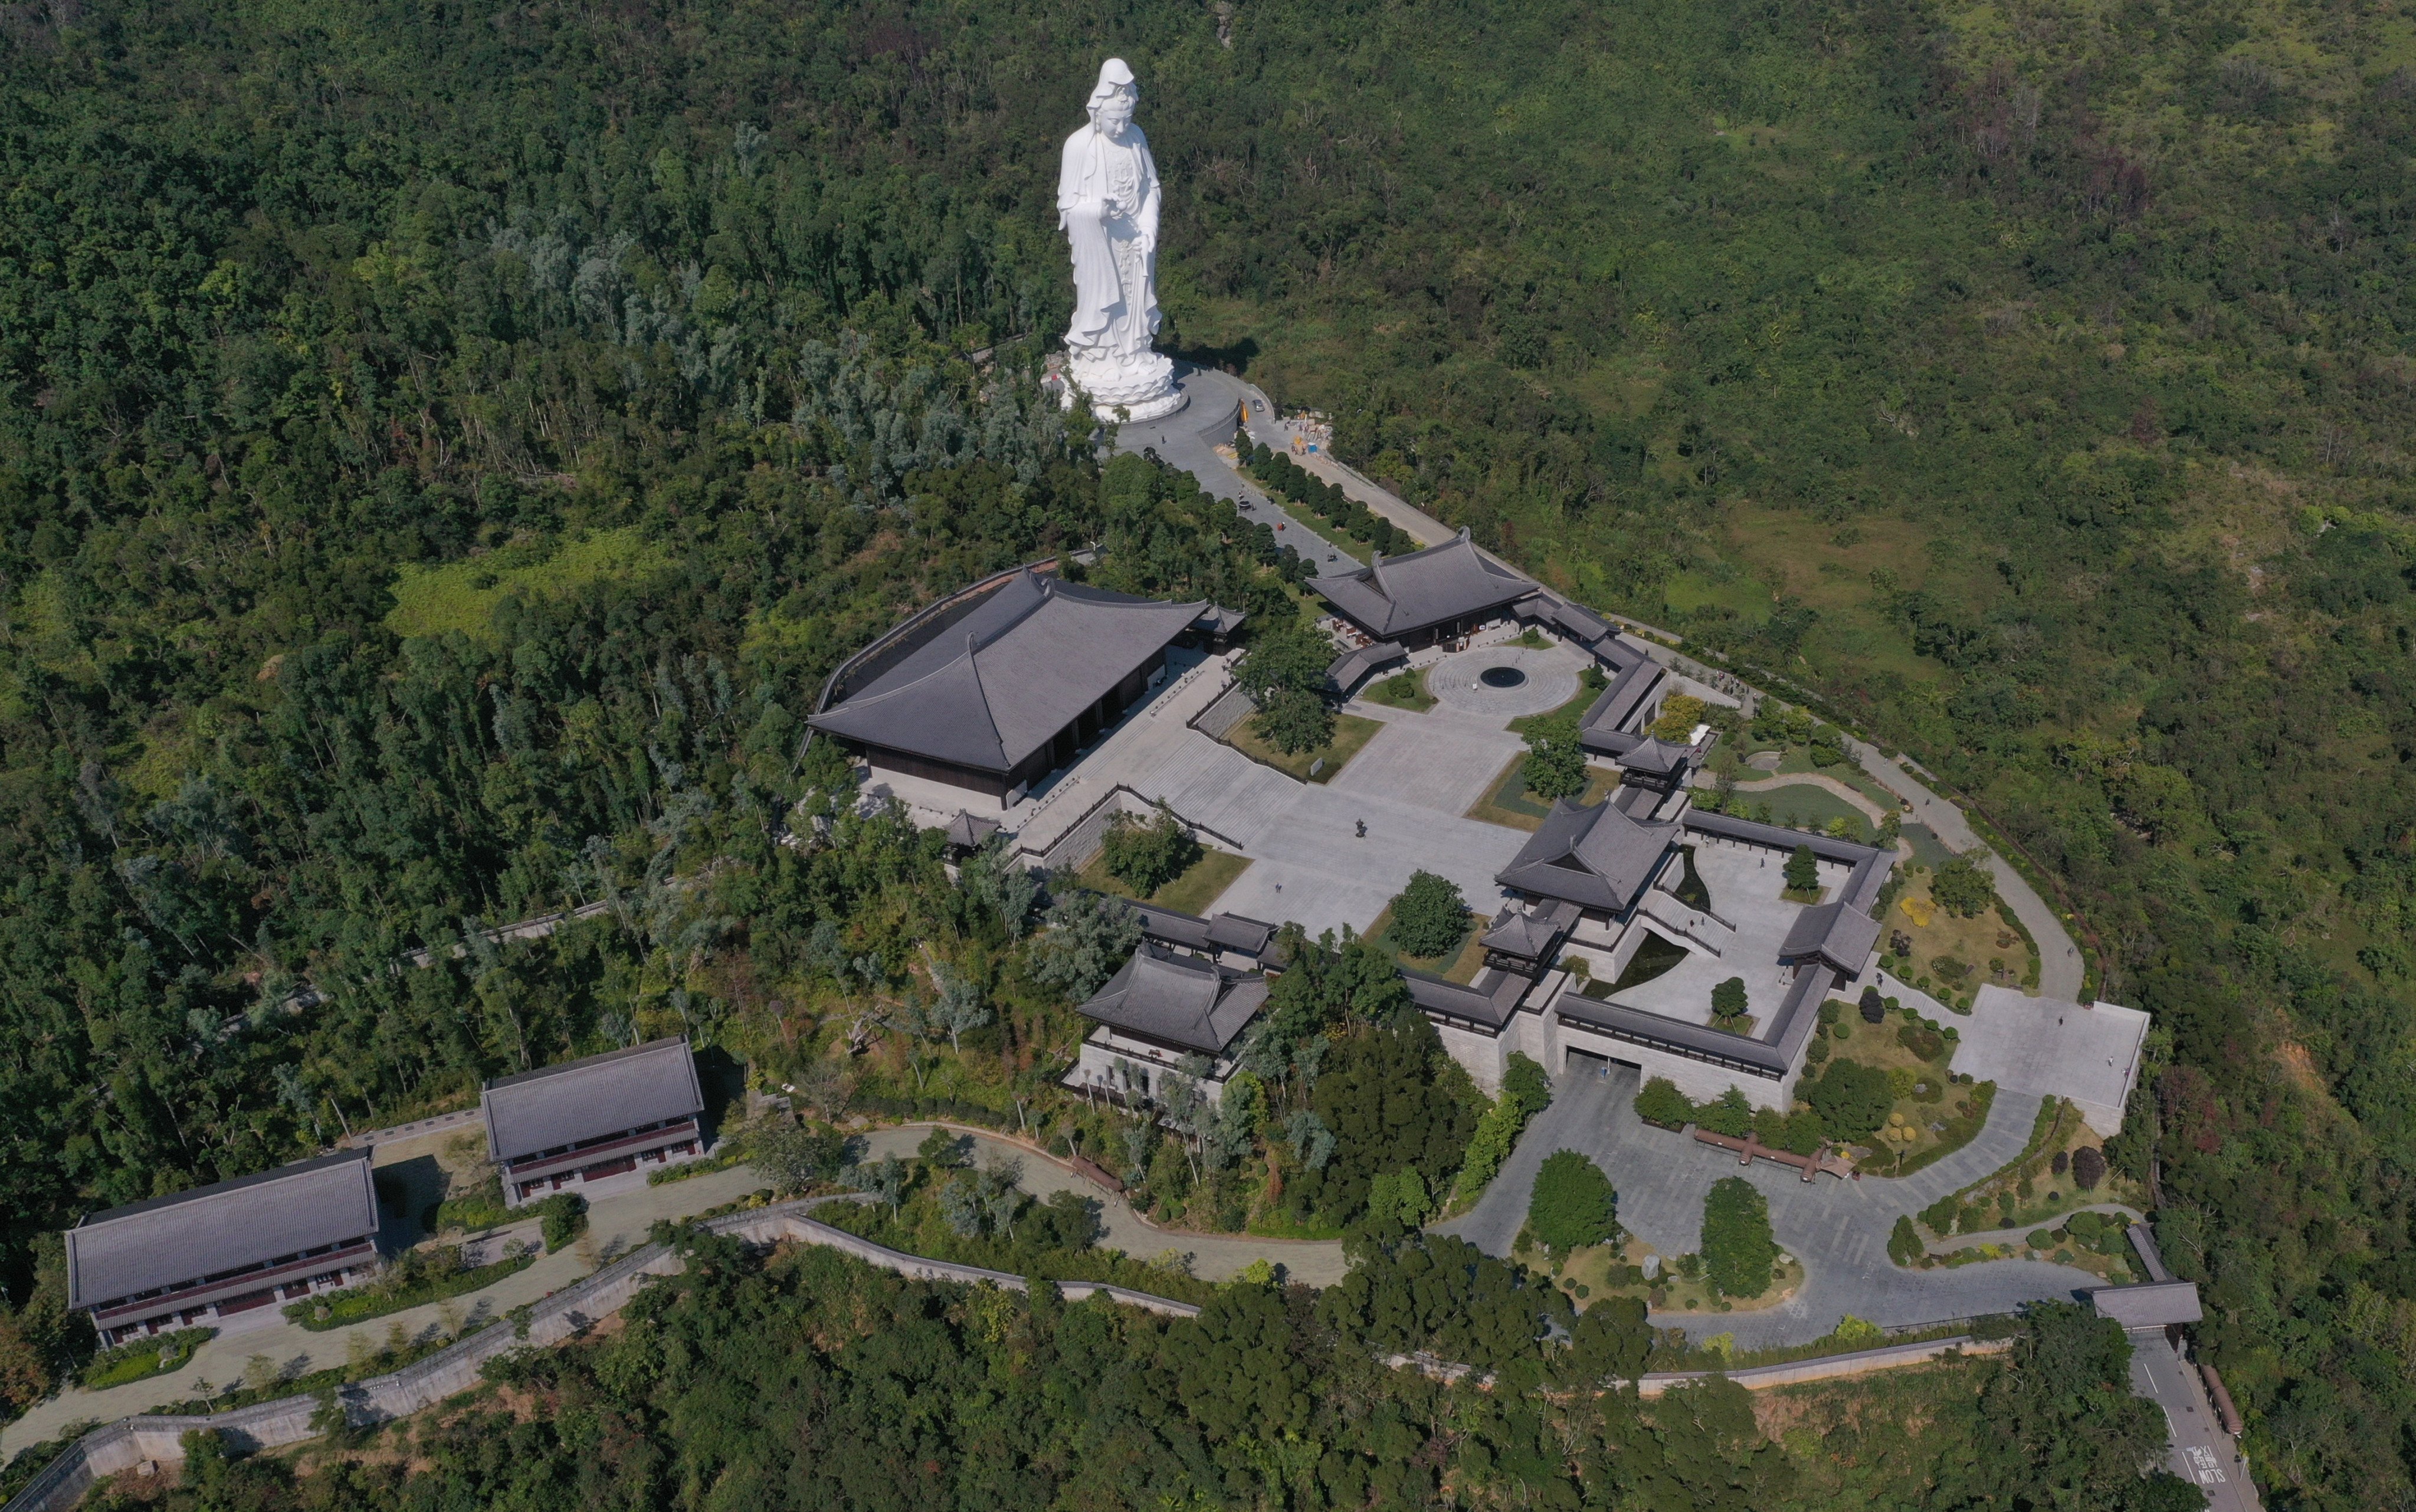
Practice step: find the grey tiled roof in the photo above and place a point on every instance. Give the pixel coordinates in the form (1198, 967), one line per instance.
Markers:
(1234, 932)
(969, 830)
(1605, 725)
(589, 1098)
(1178, 999)
(2149, 1303)
(1841, 935)
(1357, 662)
(1489, 1001)
(998, 685)
(1655, 756)
(1580, 622)
(1519, 931)
(1597, 856)
(1394, 597)
(221, 1227)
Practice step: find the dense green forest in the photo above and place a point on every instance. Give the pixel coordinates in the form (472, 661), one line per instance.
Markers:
(813, 1381)
(441, 452)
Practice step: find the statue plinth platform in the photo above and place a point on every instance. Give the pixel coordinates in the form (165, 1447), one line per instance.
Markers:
(1123, 392)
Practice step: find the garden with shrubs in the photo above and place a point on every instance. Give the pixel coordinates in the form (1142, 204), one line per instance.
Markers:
(2047, 1196)
(1892, 1100)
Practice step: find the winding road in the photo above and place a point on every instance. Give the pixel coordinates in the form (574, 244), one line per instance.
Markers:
(1838, 1228)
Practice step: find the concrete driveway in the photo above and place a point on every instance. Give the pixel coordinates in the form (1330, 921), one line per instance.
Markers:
(1838, 1228)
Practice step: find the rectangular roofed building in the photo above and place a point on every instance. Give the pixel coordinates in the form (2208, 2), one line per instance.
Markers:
(1005, 694)
(221, 1251)
(1425, 597)
(593, 1119)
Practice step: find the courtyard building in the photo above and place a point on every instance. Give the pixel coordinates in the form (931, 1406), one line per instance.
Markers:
(1427, 597)
(1009, 686)
(592, 1120)
(1164, 1009)
(226, 1254)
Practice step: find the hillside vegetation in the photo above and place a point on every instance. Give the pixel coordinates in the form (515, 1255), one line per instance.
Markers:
(441, 452)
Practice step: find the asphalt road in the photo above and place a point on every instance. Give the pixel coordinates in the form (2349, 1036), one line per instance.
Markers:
(2202, 1453)
(1188, 439)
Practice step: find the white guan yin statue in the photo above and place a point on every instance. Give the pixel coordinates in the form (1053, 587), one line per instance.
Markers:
(1106, 204)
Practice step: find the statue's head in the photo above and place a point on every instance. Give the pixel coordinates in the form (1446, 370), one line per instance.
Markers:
(1113, 96)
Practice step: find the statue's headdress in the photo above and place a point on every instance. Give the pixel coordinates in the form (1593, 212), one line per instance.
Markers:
(1113, 75)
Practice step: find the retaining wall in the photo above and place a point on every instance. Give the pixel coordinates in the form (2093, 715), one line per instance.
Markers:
(130, 1442)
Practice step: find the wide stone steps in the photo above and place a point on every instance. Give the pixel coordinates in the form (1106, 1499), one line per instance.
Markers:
(1218, 789)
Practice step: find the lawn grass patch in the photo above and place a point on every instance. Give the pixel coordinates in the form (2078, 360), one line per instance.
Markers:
(1352, 733)
(1986, 947)
(1509, 802)
(1386, 688)
(1194, 892)
(464, 596)
(1463, 965)
(1578, 704)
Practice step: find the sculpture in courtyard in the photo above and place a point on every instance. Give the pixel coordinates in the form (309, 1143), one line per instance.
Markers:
(1108, 198)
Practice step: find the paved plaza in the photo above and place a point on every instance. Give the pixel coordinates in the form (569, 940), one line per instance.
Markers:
(2038, 1045)
(1745, 883)
(1837, 1229)
(1458, 681)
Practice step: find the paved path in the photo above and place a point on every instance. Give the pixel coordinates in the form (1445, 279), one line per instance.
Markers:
(2060, 967)
(1269, 432)
(1213, 1256)
(1806, 779)
(1188, 439)
(1838, 1228)
(1954, 1242)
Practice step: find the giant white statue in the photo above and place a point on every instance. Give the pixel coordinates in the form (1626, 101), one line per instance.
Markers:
(1106, 204)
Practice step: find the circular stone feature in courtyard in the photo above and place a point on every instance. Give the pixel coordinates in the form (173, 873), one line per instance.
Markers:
(1503, 682)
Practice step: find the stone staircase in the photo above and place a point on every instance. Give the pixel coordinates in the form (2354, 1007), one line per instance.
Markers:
(1675, 917)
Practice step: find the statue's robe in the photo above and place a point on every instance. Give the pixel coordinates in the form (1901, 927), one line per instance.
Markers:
(1107, 200)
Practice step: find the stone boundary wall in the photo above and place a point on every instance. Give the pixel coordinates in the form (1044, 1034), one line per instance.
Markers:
(129, 1442)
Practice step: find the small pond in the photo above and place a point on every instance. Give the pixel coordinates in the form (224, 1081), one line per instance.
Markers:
(1501, 677)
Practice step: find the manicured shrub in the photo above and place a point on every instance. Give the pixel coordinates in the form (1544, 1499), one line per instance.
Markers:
(1661, 1102)
(1874, 1007)
(1851, 1098)
(1147, 856)
(2088, 1167)
(1964, 887)
(1730, 1116)
(1729, 999)
(1573, 1205)
(1429, 917)
(1556, 763)
(562, 1218)
(1903, 1242)
(1738, 1249)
